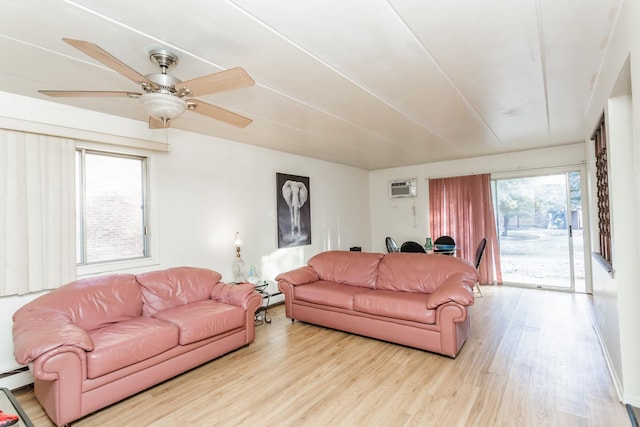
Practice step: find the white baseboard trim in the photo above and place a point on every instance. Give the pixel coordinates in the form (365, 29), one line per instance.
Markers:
(616, 382)
(632, 400)
(17, 380)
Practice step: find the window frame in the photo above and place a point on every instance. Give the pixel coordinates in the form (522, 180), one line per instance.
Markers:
(150, 212)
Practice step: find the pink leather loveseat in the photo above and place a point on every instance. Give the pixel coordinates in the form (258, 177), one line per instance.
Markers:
(413, 299)
(96, 341)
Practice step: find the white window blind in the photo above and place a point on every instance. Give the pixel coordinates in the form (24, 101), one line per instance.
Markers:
(37, 212)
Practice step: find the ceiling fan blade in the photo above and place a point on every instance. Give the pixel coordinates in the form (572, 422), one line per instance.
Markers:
(109, 60)
(89, 93)
(218, 113)
(234, 78)
(158, 123)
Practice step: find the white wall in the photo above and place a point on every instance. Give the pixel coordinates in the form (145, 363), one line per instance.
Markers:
(208, 189)
(211, 188)
(617, 296)
(395, 217)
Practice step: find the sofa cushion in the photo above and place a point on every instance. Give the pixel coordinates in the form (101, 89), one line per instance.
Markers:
(395, 304)
(329, 293)
(417, 272)
(125, 343)
(173, 287)
(350, 268)
(203, 319)
(90, 303)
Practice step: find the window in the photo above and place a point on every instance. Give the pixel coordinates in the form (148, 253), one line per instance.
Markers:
(111, 207)
(602, 189)
(540, 229)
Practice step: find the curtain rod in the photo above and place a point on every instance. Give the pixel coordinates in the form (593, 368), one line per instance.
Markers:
(527, 169)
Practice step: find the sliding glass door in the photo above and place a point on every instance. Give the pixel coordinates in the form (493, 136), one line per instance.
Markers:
(539, 220)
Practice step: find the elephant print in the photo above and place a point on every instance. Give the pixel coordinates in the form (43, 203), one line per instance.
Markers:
(295, 195)
(294, 210)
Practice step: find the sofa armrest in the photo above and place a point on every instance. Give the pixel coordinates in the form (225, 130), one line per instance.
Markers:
(64, 369)
(299, 276)
(235, 294)
(455, 289)
(44, 331)
(48, 367)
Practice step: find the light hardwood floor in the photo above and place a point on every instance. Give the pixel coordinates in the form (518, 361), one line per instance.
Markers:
(532, 360)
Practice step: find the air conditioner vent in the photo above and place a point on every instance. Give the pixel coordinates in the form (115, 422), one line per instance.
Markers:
(403, 188)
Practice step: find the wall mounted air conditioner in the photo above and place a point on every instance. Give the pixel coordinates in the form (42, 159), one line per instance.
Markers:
(403, 188)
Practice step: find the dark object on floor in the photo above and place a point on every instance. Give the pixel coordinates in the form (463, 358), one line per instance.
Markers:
(632, 415)
(355, 249)
(412, 247)
(392, 245)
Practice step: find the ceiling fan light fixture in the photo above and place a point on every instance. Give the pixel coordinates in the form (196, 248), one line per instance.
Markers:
(163, 106)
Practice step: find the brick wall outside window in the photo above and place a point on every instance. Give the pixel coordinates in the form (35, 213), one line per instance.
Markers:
(114, 208)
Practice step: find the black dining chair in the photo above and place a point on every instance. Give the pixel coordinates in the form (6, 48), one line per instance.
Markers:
(392, 246)
(411, 246)
(479, 252)
(444, 240)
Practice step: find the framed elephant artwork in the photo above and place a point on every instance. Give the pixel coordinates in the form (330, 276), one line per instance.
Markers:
(294, 210)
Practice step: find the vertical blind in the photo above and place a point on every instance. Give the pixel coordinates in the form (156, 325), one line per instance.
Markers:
(37, 212)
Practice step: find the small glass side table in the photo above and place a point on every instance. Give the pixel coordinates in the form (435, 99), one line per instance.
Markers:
(262, 313)
(9, 405)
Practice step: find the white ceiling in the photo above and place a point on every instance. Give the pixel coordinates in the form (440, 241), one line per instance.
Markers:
(368, 83)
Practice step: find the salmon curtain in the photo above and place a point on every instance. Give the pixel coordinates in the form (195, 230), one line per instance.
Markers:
(462, 207)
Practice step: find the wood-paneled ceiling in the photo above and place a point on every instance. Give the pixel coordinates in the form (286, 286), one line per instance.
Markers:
(369, 83)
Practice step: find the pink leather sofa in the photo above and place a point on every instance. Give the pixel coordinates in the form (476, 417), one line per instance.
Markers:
(96, 341)
(413, 299)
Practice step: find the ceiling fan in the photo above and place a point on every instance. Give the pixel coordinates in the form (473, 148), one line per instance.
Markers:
(165, 97)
